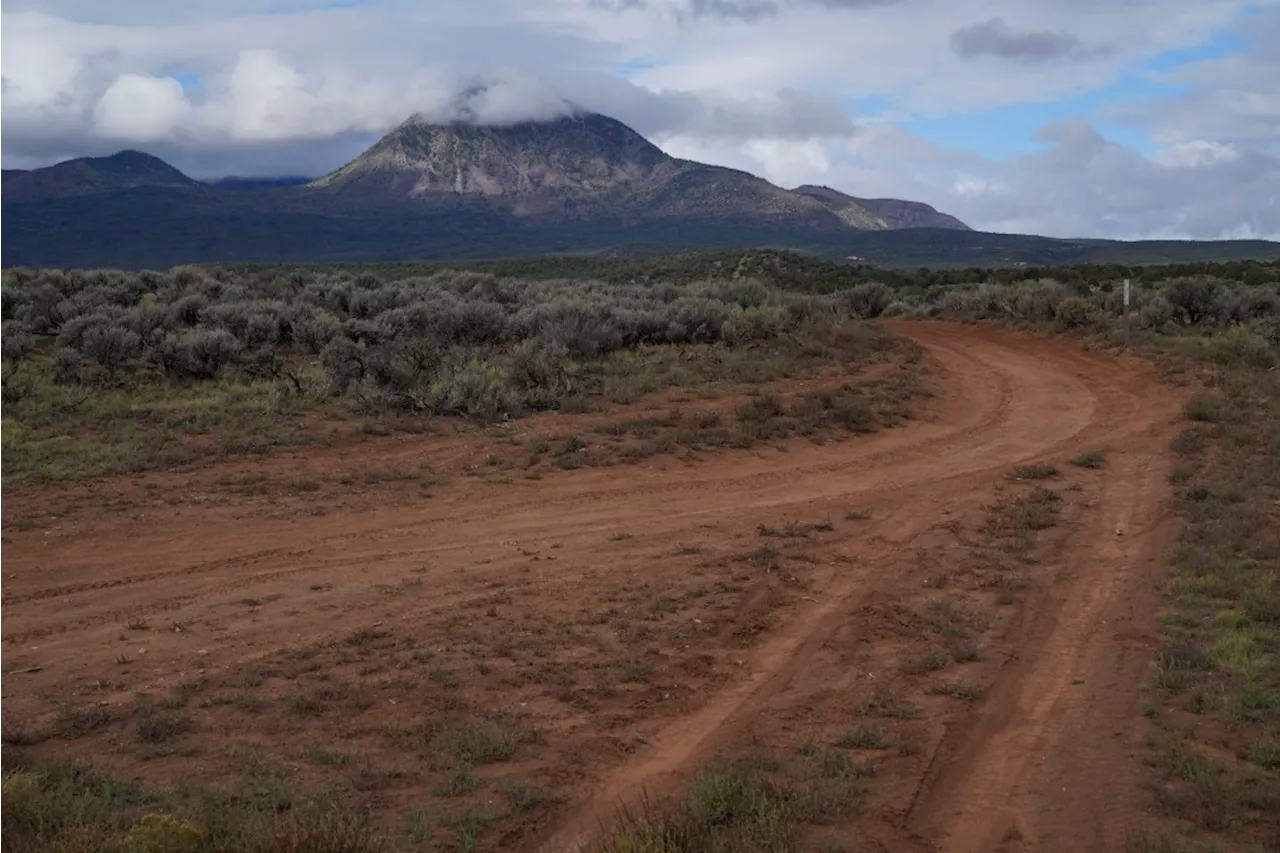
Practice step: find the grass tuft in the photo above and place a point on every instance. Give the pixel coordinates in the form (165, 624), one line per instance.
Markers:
(159, 727)
(750, 806)
(1033, 472)
(63, 807)
(478, 742)
(864, 737)
(1090, 459)
(1206, 408)
(78, 720)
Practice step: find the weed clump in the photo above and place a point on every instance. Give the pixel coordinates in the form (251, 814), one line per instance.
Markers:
(159, 727)
(765, 806)
(60, 805)
(1090, 459)
(1206, 408)
(1033, 472)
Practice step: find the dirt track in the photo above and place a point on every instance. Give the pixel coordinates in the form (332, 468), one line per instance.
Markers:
(1042, 761)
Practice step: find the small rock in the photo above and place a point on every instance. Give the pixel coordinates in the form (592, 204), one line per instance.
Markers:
(203, 652)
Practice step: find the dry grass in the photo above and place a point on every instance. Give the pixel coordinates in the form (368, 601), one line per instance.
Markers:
(1090, 459)
(1217, 675)
(1033, 472)
(59, 807)
(1022, 514)
(752, 805)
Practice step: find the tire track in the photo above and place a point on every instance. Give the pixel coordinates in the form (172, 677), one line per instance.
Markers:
(1006, 398)
(689, 742)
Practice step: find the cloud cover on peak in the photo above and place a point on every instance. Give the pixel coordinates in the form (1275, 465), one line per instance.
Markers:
(1159, 117)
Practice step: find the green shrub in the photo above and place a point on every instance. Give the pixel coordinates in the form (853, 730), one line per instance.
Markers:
(1074, 313)
(1206, 408)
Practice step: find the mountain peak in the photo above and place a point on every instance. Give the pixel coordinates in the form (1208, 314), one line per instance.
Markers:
(582, 151)
(123, 170)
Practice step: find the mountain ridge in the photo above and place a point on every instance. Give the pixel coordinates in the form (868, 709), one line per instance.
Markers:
(893, 212)
(584, 183)
(571, 168)
(576, 166)
(123, 170)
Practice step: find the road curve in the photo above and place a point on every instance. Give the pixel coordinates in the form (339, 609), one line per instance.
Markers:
(1005, 397)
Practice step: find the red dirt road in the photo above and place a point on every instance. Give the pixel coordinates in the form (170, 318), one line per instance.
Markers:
(1042, 760)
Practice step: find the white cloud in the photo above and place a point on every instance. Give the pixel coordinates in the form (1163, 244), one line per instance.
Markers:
(762, 85)
(1230, 98)
(1080, 185)
(46, 86)
(967, 185)
(1085, 185)
(138, 108)
(516, 98)
(1198, 153)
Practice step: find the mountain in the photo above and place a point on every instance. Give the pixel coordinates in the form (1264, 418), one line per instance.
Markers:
(583, 183)
(894, 213)
(92, 175)
(897, 214)
(589, 154)
(579, 166)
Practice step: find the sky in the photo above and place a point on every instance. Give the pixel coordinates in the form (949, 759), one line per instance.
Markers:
(1124, 119)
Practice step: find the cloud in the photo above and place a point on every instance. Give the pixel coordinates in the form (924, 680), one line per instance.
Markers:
(515, 99)
(994, 38)
(786, 114)
(1080, 184)
(73, 89)
(1193, 154)
(897, 51)
(749, 11)
(771, 86)
(137, 108)
(1231, 98)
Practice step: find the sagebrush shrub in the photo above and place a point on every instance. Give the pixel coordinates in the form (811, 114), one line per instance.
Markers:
(111, 346)
(1193, 298)
(187, 310)
(15, 343)
(198, 354)
(1075, 313)
(10, 301)
(869, 300)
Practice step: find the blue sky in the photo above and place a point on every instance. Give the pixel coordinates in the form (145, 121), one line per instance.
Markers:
(1001, 131)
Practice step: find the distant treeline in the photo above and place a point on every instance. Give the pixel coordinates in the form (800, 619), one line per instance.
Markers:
(785, 269)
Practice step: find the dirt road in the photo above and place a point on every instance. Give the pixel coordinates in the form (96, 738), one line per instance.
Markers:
(144, 584)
